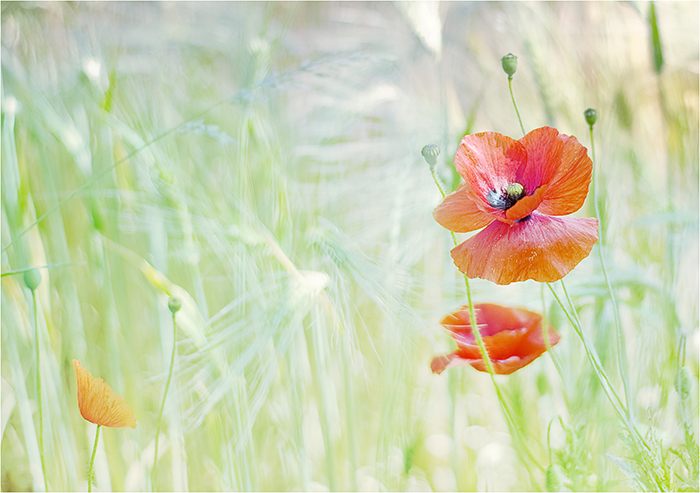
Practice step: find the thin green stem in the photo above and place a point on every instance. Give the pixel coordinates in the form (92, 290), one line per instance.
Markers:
(545, 334)
(38, 391)
(621, 355)
(599, 370)
(437, 182)
(91, 468)
(162, 404)
(549, 429)
(510, 88)
(484, 352)
(591, 353)
(489, 367)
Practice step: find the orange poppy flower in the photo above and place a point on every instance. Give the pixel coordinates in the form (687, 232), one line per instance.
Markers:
(515, 188)
(99, 404)
(512, 336)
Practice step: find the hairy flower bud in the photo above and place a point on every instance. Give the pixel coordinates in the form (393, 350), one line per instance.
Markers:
(430, 154)
(32, 278)
(174, 304)
(510, 64)
(591, 116)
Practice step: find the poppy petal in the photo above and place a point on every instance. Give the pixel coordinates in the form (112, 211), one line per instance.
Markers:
(500, 367)
(533, 342)
(525, 206)
(540, 247)
(560, 162)
(513, 338)
(488, 161)
(99, 404)
(506, 366)
(460, 213)
(505, 331)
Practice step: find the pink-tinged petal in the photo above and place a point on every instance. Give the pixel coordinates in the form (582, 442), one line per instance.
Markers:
(542, 248)
(534, 343)
(502, 329)
(489, 161)
(560, 162)
(500, 367)
(442, 363)
(459, 212)
(526, 206)
(512, 337)
(505, 366)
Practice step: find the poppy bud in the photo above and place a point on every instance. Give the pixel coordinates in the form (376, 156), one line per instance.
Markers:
(174, 304)
(510, 64)
(591, 116)
(430, 154)
(32, 278)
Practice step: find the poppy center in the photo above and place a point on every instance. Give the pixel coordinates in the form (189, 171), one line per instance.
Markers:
(506, 197)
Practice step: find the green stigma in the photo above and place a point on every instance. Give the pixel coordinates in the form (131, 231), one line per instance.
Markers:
(515, 190)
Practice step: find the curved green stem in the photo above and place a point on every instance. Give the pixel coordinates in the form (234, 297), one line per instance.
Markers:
(38, 392)
(603, 378)
(545, 334)
(549, 429)
(91, 468)
(592, 355)
(510, 88)
(485, 354)
(621, 355)
(162, 404)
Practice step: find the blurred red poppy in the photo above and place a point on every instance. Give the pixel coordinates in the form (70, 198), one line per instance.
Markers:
(515, 188)
(513, 338)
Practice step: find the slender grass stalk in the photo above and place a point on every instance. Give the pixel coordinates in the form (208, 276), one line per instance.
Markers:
(549, 429)
(297, 390)
(96, 177)
(321, 376)
(38, 391)
(174, 305)
(46, 266)
(621, 355)
(350, 413)
(512, 97)
(91, 467)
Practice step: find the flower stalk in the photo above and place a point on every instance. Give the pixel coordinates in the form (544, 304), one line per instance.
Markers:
(510, 65)
(32, 279)
(603, 378)
(484, 352)
(591, 117)
(512, 97)
(91, 468)
(174, 305)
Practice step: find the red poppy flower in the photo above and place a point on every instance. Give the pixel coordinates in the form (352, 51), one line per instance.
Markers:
(516, 188)
(512, 336)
